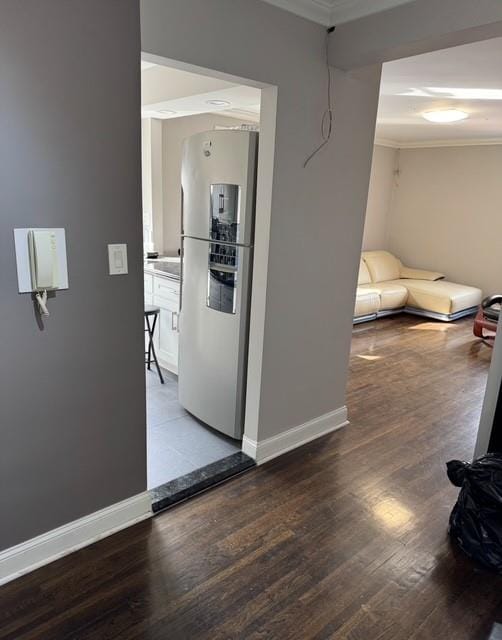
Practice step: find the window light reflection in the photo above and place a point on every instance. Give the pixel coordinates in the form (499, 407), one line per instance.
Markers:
(392, 514)
(432, 326)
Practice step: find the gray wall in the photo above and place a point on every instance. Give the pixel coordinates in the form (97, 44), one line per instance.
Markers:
(72, 422)
(381, 190)
(72, 416)
(317, 213)
(412, 28)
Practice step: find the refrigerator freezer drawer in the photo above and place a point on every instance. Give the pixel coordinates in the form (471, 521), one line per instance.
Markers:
(213, 337)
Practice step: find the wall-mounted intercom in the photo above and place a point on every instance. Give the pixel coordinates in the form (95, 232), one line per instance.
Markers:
(41, 262)
(43, 251)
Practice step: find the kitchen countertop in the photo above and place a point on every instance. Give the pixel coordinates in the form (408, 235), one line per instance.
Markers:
(166, 267)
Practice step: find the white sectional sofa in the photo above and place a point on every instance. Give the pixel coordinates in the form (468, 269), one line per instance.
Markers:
(386, 287)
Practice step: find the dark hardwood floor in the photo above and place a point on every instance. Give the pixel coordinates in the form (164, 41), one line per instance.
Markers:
(343, 538)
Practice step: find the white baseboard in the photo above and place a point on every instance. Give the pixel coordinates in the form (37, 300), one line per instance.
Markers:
(270, 448)
(50, 546)
(166, 364)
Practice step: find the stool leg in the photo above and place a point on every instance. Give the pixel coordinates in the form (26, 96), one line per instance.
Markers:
(154, 355)
(150, 341)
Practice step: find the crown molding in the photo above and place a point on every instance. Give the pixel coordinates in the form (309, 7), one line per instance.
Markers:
(383, 142)
(315, 10)
(330, 12)
(240, 114)
(347, 10)
(431, 144)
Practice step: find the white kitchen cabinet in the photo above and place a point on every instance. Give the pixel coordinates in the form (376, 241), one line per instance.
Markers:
(148, 288)
(167, 339)
(166, 295)
(148, 300)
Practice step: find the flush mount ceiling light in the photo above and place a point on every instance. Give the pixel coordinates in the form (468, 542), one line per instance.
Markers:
(444, 116)
(167, 112)
(218, 103)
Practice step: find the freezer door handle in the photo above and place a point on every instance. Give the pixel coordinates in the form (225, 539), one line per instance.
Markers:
(182, 234)
(181, 271)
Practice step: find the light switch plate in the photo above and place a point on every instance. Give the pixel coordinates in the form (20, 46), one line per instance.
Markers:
(117, 259)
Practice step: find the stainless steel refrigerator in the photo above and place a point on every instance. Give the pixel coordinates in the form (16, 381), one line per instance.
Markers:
(218, 180)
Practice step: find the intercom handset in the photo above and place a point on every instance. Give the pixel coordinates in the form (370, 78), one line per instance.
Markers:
(43, 259)
(42, 247)
(41, 263)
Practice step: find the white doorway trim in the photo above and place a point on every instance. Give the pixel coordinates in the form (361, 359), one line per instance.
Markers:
(491, 398)
(266, 157)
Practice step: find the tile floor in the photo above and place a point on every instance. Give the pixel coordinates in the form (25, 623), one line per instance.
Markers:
(177, 442)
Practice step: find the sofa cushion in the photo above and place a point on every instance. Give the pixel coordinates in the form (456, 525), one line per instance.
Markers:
(440, 296)
(367, 301)
(364, 275)
(382, 265)
(393, 295)
(420, 274)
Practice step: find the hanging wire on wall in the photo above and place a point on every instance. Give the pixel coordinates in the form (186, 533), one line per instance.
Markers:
(327, 116)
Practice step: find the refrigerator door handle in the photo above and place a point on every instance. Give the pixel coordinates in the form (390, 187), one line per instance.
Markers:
(181, 244)
(181, 272)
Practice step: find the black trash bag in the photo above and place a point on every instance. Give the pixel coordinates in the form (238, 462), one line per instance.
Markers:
(476, 519)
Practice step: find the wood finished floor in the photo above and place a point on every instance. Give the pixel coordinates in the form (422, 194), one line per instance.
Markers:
(344, 538)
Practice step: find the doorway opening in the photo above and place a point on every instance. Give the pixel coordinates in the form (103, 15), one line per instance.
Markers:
(200, 161)
(430, 252)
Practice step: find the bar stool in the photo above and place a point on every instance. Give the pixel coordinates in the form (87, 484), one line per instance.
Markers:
(151, 314)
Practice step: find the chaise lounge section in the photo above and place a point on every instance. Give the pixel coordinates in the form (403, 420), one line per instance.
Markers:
(385, 287)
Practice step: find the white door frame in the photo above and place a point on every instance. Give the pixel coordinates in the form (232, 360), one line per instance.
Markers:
(491, 398)
(265, 176)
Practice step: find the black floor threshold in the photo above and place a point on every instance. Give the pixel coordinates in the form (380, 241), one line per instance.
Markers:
(190, 484)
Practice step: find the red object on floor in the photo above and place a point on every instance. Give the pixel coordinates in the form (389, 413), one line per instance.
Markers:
(486, 320)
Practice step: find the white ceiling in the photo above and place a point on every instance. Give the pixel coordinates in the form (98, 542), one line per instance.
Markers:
(445, 79)
(440, 80)
(332, 12)
(170, 93)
